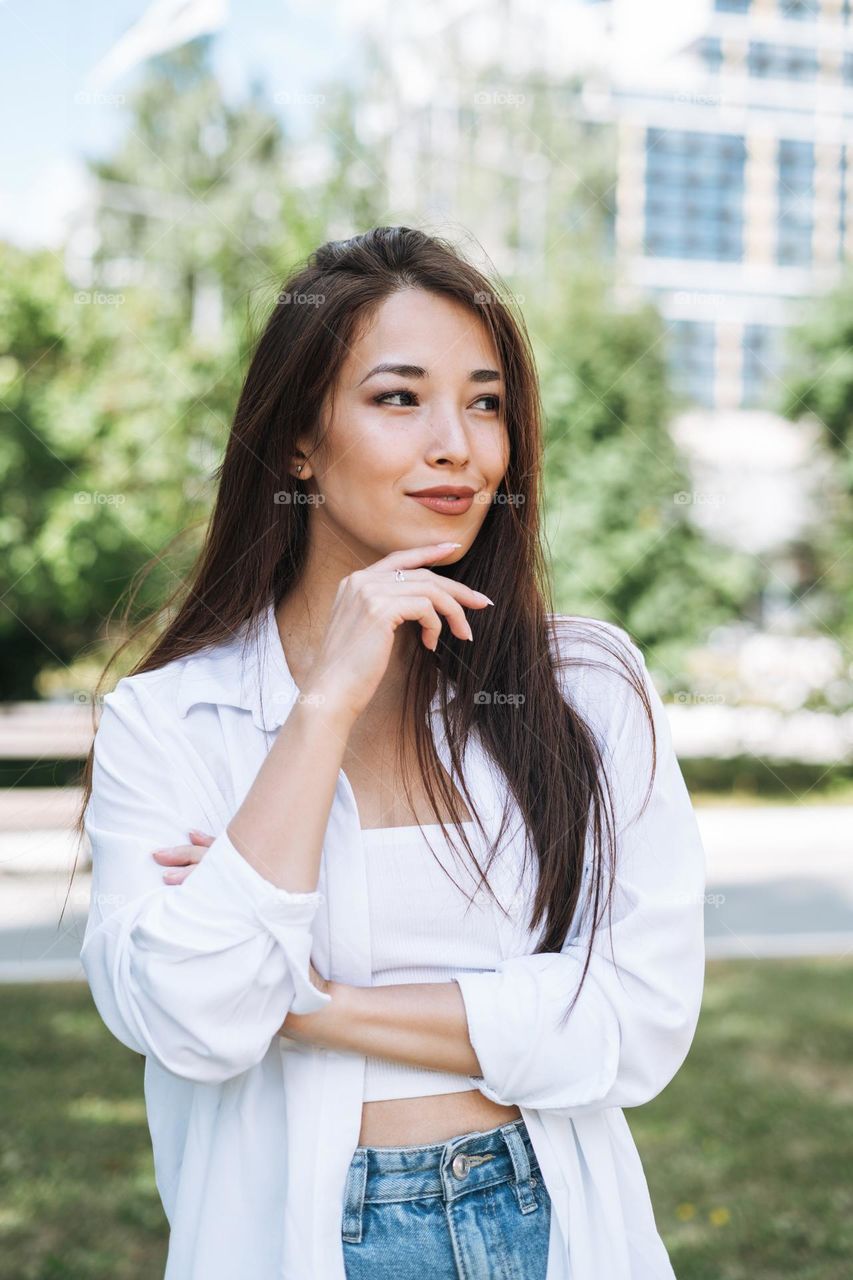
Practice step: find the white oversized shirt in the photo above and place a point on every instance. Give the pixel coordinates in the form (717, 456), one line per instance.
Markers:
(253, 1133)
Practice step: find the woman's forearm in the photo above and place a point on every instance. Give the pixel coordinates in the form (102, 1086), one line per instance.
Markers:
(280, 826)
(419, 1023)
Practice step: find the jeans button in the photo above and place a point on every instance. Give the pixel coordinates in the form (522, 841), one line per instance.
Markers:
(460, 1165)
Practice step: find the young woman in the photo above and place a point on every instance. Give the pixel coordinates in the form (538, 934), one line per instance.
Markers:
(387, 1032)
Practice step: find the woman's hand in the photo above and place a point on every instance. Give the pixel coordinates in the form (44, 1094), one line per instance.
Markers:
(369, 606)
(183, 858)
(322, 1026)
(322, 984)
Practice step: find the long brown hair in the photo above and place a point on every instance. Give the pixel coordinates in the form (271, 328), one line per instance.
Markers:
(548, 753)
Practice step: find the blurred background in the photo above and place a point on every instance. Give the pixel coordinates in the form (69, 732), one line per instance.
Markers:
(667, 189)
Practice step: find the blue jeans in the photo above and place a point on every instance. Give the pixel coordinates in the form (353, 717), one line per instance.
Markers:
(469, 1208)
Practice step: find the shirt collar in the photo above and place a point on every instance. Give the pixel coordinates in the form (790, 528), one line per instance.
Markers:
(249, 674)
(253, 676)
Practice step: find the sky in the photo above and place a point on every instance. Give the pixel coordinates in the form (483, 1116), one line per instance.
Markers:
(49, 47)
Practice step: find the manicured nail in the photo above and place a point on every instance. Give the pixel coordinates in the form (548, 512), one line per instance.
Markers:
(450, 544)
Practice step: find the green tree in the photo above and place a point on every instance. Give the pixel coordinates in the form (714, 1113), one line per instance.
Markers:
(117, 400)
(199, 192)
(36, 319)
(623, 543)
(819, 385)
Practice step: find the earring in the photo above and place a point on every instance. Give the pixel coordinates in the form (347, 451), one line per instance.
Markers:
(299, 468)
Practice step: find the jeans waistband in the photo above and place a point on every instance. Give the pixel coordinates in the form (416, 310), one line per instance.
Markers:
(450, 1169)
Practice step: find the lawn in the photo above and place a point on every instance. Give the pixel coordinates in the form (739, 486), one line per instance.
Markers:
(748, 1152)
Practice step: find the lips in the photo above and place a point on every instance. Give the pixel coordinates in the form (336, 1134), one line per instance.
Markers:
(444, 491)
(444, 504)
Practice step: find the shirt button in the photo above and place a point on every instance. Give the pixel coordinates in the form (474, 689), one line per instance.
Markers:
(460, 1165)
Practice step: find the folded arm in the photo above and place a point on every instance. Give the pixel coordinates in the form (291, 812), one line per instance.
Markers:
(201, 975)
(422, 1024)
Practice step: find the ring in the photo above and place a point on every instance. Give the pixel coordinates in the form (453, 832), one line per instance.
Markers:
(399, 575)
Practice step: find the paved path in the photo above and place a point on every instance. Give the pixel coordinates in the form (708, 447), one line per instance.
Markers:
(780, 882)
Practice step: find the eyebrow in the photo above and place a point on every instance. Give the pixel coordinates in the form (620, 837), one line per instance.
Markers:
(416, 371)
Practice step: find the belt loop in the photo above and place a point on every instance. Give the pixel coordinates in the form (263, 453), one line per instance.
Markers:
(354, 1197)
(527, 1201)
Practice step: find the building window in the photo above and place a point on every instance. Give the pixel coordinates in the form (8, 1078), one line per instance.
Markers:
(762, 365)
(732, 6)
(691, 352)
(710, 51)
(847, 67)
(795, 194)
(694, 195)
(801, 10)
(781, 61)
(843, 165)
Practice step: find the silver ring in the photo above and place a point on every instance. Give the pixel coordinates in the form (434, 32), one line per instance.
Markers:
(399, 575)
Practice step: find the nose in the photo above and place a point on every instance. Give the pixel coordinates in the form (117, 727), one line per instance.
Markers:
(449, 440)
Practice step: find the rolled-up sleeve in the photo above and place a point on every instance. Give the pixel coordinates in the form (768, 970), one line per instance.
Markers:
(635, 1018)
(198, 975)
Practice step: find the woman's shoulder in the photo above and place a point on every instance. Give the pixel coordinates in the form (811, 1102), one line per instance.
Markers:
(576, 639)
(170, 689)
(600, 668)
(140, 689)
(225, 673)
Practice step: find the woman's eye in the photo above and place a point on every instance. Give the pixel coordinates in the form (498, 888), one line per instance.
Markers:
(382, 399)
(387, 396)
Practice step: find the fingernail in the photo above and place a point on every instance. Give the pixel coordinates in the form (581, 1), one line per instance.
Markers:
(485, 597)
(470, 633)
(450, 544)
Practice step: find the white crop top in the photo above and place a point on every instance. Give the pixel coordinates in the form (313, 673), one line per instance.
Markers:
(423, 929)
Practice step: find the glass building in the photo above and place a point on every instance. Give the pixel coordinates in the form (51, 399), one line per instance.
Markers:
(734, 186)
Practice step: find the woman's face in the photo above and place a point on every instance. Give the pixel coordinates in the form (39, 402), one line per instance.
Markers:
(434, 418)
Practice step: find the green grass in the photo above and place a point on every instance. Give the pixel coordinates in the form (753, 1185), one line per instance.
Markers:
(747, 1152)
(787, 800)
